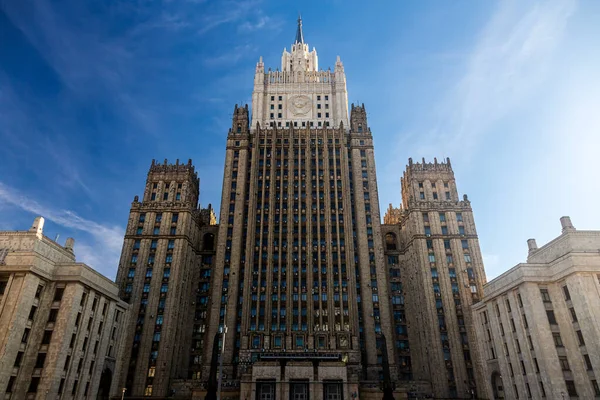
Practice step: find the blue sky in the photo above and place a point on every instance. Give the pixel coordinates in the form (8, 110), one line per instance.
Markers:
(92, 90)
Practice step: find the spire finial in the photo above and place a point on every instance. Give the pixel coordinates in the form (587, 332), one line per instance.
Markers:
(299, 35)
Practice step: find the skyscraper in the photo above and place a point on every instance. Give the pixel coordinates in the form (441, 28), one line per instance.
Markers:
(306, 292)
(298, 237)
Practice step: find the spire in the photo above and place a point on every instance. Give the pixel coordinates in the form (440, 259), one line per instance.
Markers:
(299, 35)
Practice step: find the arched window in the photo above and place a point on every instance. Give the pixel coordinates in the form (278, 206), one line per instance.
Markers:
(390, 241)
(208, 242)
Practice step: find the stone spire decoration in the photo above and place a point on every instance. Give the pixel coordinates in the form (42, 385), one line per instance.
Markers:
(299, 35)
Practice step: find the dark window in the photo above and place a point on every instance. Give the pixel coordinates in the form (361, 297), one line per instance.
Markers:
(33, 385)
(40, 360)
(58, 294)
(551, 317)
(11, 383)
(47, 337)
(545, 296)
(18, 359)
(588, 362)
(566, 292)
(580, 338)
(25, 335)
(564, 363)
(32, 312)
(557, 340)
(571, 388)
(573, 314)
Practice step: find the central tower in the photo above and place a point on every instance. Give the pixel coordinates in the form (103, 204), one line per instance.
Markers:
(299, 240)
(299, 95)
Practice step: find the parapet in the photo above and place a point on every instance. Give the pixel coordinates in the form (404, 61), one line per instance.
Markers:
(423, 166)
(155, 167)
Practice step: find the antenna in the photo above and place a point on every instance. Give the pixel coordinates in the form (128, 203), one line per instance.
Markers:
(56, 237)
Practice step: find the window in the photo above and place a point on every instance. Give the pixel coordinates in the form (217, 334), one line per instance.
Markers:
(580, 338)
(461, 230)
(464, 243)
(564, 363)
(545, 296)
(588, 362)
(174, 217)
(459, 217)
(33, 384)
(332, 391)
(594, 386)
(571, 388)
(11, 383)
(25, 336)
(551, 317)
(442, 217)
(18, 359)
(566, 292)
(557, 339)
(573, 314)
(40, 360)
(47, 337)
(32, 312)
(58, 294)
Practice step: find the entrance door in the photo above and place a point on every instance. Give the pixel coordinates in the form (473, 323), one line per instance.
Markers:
(265, 391)
(299, 391)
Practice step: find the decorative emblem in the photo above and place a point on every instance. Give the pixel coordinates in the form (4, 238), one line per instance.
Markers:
(300, 105)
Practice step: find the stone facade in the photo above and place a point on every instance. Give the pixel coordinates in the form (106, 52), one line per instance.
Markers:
(538, 322)
(61, 321)
(161, 269)
(301, 285)
(435, 276)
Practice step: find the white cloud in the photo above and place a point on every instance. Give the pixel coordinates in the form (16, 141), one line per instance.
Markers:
(509, 62)
(103, 254)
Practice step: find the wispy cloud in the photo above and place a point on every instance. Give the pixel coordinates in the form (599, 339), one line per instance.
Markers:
(261, 22)
(510, 61)
(230, 57)
(506, 65)
(104, 251)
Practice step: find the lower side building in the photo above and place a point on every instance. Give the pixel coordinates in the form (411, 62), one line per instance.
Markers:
(537, 324)
(61, 321)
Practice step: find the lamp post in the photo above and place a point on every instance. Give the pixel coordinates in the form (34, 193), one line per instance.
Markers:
(123, 393)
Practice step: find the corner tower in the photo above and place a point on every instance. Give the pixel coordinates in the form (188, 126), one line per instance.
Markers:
(443, 275)
(156, 274)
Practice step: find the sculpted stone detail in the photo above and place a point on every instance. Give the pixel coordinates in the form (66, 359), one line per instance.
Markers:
(300, 105)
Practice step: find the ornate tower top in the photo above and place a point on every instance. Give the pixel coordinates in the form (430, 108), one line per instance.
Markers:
(299, 94)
